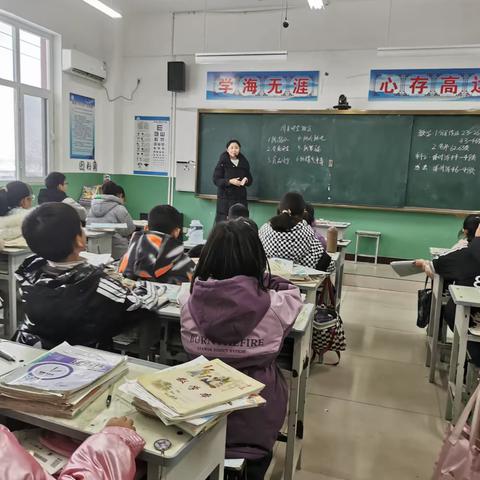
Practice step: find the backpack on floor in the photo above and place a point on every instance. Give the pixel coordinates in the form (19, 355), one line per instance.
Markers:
(328, 333)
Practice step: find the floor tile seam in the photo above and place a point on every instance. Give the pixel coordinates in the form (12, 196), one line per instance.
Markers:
(380, 328)
(354, 354)
(419, 364)
(384, 407)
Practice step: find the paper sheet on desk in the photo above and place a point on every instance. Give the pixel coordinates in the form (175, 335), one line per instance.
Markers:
(97, 259)
(405, 268)
(106, 226)
(51, 461)
(19, 242)
(281, 267)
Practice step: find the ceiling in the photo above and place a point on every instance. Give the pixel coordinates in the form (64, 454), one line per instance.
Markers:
(143, 6)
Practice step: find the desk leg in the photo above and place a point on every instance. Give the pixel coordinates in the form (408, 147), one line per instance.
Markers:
(339, 278)
(293, 405)
(436, 320)
(12, 299)
(457, 363)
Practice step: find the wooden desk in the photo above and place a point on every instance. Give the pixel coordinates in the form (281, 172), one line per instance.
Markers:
(188, 458)
(465, 298)
(10, 260)
(99, 241)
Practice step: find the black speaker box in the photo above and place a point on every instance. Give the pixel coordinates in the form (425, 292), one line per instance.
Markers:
(176, 76)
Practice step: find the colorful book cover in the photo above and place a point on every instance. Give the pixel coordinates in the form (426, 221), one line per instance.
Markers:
(196, 386)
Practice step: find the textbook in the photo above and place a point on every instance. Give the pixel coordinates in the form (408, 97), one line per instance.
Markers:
(281, 267)
(199, 385)
(292, 271)
(193, 424)
(405, 268)
(61, 382)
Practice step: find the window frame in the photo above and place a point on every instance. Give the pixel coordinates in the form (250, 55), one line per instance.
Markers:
(22, 90)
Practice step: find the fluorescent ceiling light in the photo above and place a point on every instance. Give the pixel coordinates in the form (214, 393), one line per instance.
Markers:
(210, 58)
(104, 8)
(428, 51)
(316, 4)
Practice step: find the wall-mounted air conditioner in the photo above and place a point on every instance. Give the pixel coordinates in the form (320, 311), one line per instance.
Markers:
(78, 63)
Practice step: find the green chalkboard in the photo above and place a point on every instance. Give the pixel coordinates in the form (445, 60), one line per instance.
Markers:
(443, 163)
(367, 159)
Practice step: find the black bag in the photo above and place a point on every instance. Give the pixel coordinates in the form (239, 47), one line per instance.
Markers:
(424, 303)
(328, 333)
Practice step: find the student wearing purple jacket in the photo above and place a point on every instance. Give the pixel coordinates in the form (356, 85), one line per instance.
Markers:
(240, 314)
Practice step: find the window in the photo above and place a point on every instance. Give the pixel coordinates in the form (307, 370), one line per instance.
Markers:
(26, 101)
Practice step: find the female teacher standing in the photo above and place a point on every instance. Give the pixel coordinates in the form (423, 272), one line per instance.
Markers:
(231, 176)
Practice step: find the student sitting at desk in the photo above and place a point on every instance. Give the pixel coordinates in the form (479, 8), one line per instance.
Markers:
(156, 254)
(467, 233)
(238, 210)
(310, 219)
(66, 298)
(108, 208)
(462, 267)
(56, 192)
(15, 202)
(238, 313)
(288, 236)
(107, 455)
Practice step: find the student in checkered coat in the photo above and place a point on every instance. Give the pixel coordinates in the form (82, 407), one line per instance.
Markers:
(288, 236)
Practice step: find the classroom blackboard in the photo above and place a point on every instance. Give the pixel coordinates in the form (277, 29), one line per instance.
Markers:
(373, 159)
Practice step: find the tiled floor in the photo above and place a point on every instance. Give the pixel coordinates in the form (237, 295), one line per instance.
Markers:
(375, 416)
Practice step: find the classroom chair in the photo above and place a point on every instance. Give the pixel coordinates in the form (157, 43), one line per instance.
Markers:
(367, 234)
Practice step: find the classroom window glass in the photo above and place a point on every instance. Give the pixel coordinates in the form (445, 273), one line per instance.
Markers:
(7, 132)
(6, 51)
(35, 136)
(33, 60)
(26, 116)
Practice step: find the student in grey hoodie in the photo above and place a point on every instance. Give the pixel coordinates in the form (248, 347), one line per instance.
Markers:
(108, 208)
(240, 314)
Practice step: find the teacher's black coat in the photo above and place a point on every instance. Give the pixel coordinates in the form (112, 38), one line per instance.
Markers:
(227, 194)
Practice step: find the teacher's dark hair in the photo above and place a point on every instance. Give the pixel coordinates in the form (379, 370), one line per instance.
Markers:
(233, 248)
(290, 211)
(233, 141)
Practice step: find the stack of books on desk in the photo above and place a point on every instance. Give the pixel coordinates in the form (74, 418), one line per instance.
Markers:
(61, 382)
(292, 271)
(194, 396)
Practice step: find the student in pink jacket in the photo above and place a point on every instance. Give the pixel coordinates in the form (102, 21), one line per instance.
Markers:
(108, 455)
(240, 314)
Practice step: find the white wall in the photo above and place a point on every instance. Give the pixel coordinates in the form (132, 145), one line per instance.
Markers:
(80, 27)
(342, 40)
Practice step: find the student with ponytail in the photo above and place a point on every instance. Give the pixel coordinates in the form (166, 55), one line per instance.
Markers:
(288, 236)
(15, 202)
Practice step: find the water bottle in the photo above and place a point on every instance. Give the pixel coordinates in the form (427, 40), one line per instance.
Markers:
(332, 236)
(195, 232)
